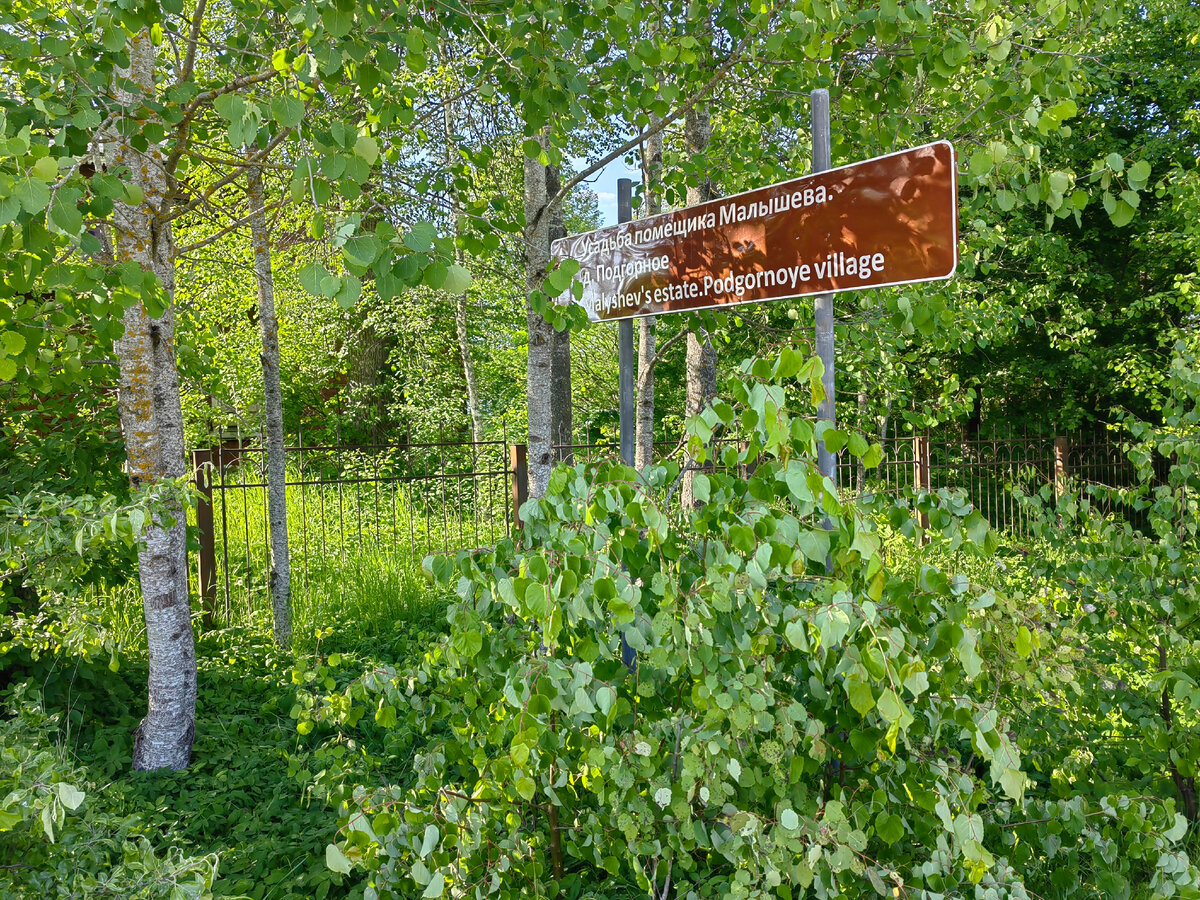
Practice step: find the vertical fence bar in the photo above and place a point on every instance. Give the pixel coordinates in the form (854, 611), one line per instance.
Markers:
(220, 473)
(206, 568)
(520, 481)
(922, 480)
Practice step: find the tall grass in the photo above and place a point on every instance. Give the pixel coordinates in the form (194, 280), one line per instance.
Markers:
(356, 546)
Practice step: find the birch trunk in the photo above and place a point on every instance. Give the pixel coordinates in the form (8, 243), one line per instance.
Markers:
(537, 258)
(281, 570)
(561, 425)
(644, 398)
(701, 357)
(460, 302)
(468, 363)
(152, 425)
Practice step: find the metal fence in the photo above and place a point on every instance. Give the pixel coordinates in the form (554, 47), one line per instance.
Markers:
(444, 496)
(437, 496)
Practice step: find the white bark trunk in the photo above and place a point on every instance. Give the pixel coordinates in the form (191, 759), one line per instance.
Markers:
(281, 570)
(701, 357)
(561, 424)
(537, 258)
(152, 425)
(460, 302)
(468, 364)
(644, 399)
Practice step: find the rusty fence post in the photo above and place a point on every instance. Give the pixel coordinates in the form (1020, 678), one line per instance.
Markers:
(207, 562)
(1062, 471)
(519, 470)
(922, 479)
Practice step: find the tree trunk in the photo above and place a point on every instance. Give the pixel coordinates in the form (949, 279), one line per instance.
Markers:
(861, 479)
(460, 302)
(644, 398)
(561, 425)
(701, 357)
(537, 258)
(464, 349)
(281, 571)
(152, 425)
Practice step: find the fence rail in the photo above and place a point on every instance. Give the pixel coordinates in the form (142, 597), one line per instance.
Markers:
(445, 496)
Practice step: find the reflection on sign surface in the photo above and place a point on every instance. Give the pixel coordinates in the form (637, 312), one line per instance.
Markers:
(886, 221)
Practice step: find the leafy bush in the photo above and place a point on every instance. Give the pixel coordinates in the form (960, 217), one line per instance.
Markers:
(753, 698)
(58, 840)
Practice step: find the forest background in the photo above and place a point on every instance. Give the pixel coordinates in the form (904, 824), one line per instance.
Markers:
(382, 180)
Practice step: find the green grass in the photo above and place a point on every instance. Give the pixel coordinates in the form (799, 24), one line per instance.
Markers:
(338, 535)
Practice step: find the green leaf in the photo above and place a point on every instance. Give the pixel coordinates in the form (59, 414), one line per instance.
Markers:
(788, 819)
(889, 827)
(1176, 832)
(834, 439)
(981, 163)
(32, 193)
(796, 635)
(436, 885)
(12, 343)
(348, 292)
(1024, 642)
(525, 787)
(311, 278)
(861, 696)
(65, 214)
(890, 706)
(362, 249)
(1122, 215)
(873, 457)
(458, 280)
(46, 169)
(532, 148)
(814, 545)
(429, 840)
(606, 699)
(1139, 174)
(1115, 162)
(336, 860)
(420, 238)
(287, 111)
(68, 795)
(468, 643)
(366, 149)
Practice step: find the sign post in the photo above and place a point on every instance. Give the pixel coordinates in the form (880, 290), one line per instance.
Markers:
(827, 411)
(882, 222)
(625, 340)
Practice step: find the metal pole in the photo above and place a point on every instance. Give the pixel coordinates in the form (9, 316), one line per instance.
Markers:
(826, 461)
(625, 339)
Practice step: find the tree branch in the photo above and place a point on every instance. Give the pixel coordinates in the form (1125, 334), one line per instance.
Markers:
(234, 226)
(658, 353)
(189, 60)
(681, 109)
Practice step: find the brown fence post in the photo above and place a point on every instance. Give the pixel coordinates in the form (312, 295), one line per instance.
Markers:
(1062, 448)
(207, 568)
(922, 480)
(519, 470)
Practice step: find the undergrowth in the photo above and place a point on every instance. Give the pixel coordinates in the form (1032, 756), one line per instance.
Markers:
(256, 798)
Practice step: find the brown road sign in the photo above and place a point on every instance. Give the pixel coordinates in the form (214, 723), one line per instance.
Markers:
(887, 221)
